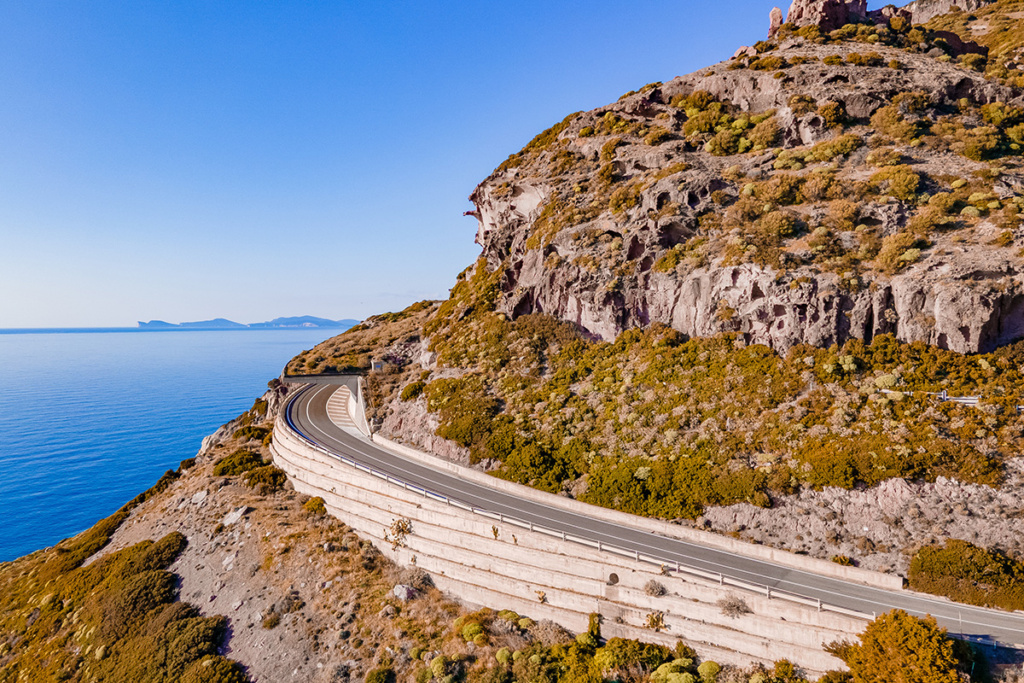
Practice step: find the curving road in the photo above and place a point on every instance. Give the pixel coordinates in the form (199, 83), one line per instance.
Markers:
(307, 413)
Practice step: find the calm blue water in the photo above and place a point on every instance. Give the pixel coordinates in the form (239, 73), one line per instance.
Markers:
(89, 420)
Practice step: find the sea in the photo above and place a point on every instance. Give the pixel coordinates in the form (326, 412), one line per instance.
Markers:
(89, 419)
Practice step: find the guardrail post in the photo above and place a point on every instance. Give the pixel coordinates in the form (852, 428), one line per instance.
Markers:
(768, 592)
(599, 546)
(819, 604)
(563, 534)
(501, 518)
(677, 567)
(721, 579)
(637, 553)
(531, 526)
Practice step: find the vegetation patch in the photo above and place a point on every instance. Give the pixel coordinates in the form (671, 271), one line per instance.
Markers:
(239, 462)
(966, 573)
(116, 620)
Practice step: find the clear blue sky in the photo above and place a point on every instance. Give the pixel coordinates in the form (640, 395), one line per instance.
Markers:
(187, 160)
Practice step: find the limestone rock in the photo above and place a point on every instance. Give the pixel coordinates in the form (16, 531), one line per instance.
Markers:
(922, 11)
(600, 273)
(827, 14)
(403, 592)
(774, 22)
(235, 515)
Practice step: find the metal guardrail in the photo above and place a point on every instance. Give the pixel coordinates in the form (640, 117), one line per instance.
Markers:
(664, 565)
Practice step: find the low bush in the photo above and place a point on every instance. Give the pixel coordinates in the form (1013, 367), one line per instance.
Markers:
(412, 390)
(899, 181)
(266, 479)
(251, 433)
(239, 462)
(215, 669)
(734, 606)
(315, 506)
(899, 250)
(963, 572)
(383, 674)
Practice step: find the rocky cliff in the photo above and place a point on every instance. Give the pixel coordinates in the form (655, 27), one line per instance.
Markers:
(813, 189)
(830, 15)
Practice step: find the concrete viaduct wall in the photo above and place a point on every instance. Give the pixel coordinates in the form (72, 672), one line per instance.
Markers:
(459, 549)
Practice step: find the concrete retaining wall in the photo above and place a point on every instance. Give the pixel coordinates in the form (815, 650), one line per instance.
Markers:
(460, 550)
(776, 555)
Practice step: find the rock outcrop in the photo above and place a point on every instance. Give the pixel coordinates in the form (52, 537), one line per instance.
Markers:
(606, 272)
(829, 15)
(923, 11)
(775, 21)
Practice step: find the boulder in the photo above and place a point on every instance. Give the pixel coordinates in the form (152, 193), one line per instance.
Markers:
(403, 592)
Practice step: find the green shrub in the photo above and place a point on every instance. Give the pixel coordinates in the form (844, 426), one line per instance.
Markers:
(963, 572)
(765, 134)
(778, 224)
(727, 142)
(624, 198)
(833, 113)
(606, 174)
(438, 666)
(702, 123)
(187, 464)
(383, 674)
(899, 181)
(315, 506)
(892, 120)
(471, 631)
(899, 647)
(271, 619)
(769, 63)
(836, 147)
(657, 136)
(608, 149)
(802, 104)
(974, 61)
(885, 156)
(413, 390)
(709, 671)
(238, 462)
(215, 669)
(266, 479)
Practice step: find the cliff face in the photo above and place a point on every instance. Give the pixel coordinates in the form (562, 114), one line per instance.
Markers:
(651, 210)
(833, 14)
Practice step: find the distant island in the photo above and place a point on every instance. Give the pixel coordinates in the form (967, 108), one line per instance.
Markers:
(277, 323)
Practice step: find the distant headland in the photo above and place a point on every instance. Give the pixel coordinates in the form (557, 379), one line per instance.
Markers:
(225, 324)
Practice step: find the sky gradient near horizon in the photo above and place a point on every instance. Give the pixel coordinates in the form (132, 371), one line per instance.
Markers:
(191, 160)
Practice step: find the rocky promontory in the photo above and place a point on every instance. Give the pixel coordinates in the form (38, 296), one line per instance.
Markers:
(813, 189)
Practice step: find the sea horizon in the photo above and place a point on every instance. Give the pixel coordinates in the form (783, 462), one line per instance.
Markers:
(101, 330)
(92, 420)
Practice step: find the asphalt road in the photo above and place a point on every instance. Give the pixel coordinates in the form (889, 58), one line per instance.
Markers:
(308, 414)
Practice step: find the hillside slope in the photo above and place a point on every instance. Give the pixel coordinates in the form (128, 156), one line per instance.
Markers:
(818, 188)
(720, 296)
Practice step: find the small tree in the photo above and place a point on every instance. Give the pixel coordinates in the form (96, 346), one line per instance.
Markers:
(899, 648)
